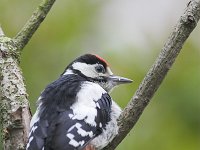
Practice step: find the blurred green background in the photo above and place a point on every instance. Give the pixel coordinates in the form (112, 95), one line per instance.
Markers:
(129, 34)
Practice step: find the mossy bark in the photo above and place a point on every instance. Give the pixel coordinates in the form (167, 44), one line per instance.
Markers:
(14, 106)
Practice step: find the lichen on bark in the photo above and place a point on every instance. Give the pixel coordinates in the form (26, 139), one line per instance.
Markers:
(13, 97)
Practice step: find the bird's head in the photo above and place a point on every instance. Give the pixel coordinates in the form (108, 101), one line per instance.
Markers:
(95, 69)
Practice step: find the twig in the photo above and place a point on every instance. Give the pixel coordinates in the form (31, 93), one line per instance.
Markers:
(157, 72)
(23, 37)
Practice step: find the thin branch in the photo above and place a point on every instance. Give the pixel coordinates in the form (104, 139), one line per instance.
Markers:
(23, 37)
(157, 72)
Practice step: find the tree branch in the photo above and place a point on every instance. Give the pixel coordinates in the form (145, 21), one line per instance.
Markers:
(25, 34)
(157, 72)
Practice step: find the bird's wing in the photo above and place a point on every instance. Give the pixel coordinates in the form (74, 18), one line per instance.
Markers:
(73, 128)
(75, 131)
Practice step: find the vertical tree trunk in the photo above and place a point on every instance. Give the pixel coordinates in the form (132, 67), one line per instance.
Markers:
(14, 106)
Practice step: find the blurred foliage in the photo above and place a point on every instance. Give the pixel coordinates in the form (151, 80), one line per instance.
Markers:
(170, 122)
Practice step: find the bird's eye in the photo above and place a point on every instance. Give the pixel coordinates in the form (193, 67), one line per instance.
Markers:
(100, 69)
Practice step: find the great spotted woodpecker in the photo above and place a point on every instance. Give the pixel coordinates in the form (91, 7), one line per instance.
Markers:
(76, 111)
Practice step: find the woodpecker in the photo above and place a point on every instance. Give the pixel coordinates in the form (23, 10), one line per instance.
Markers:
(76, 112)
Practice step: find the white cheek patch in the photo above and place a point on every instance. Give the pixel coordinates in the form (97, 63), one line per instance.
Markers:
(89, 70)
(86, 69)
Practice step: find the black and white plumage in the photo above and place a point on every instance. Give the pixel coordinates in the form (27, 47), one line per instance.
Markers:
(76, 109)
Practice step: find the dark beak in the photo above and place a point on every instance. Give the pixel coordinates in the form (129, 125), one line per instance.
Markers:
(119, 80)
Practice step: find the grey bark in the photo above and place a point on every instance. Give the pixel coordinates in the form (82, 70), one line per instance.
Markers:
(14, 107)
(157, 72)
